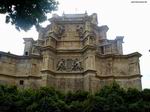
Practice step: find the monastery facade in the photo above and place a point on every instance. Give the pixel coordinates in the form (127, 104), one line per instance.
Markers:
(72, 53)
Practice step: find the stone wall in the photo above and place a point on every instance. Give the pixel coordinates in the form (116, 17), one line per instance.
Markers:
(72, 53)
(20, 70)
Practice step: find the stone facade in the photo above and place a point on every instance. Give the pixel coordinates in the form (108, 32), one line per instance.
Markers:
(72, 53)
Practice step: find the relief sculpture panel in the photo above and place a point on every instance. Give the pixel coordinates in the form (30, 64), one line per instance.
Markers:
(69, 65)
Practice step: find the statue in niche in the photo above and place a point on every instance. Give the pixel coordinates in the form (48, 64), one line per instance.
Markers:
(80, 31)
(94, 19)
(88, 26)
(61, 65)
(61, 30)
(76, 65)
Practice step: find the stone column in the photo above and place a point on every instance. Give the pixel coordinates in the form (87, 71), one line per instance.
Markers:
(90, 70)
(88, 80)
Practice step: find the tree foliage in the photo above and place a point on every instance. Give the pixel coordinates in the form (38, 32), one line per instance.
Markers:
(109, 99)
(26, 13)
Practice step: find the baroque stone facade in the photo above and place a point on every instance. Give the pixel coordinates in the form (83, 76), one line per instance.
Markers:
(72, 53)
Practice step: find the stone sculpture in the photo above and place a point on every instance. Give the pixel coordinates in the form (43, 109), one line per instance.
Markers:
(61, 65)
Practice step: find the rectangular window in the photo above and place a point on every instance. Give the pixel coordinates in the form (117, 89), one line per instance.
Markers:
(102, 49)
(21, 82)
(26, 53)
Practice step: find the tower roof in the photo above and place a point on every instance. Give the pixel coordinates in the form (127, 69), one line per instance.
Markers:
(73, 17)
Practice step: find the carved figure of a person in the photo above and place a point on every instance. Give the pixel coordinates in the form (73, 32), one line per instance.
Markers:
(80, 31)
(61, 30)
(61, 65)
(88, 26)
(76, 65)
(94, 19)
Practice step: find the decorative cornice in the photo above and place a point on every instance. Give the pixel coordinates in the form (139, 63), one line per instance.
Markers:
(68, 50)
(48, 48)
(135, 54)
(119, 76)
(28, 39)
(68, 73)
(21, 76)
(20, 57)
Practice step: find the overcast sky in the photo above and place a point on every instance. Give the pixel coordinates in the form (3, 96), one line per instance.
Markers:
(131, 20)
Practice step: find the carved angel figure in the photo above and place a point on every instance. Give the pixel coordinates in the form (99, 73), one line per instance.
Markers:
(61, 65)
(76, 65)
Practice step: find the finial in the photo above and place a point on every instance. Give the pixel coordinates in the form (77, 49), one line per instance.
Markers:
(63, 13)
(76, 10)
(85, 12)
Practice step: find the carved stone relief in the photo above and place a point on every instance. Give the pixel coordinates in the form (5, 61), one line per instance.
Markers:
(61, 66)
(61, 30)
(69, 65)
(56, 30)
(76, 65)
(94, 19)
(88, 26)
(80, 31)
